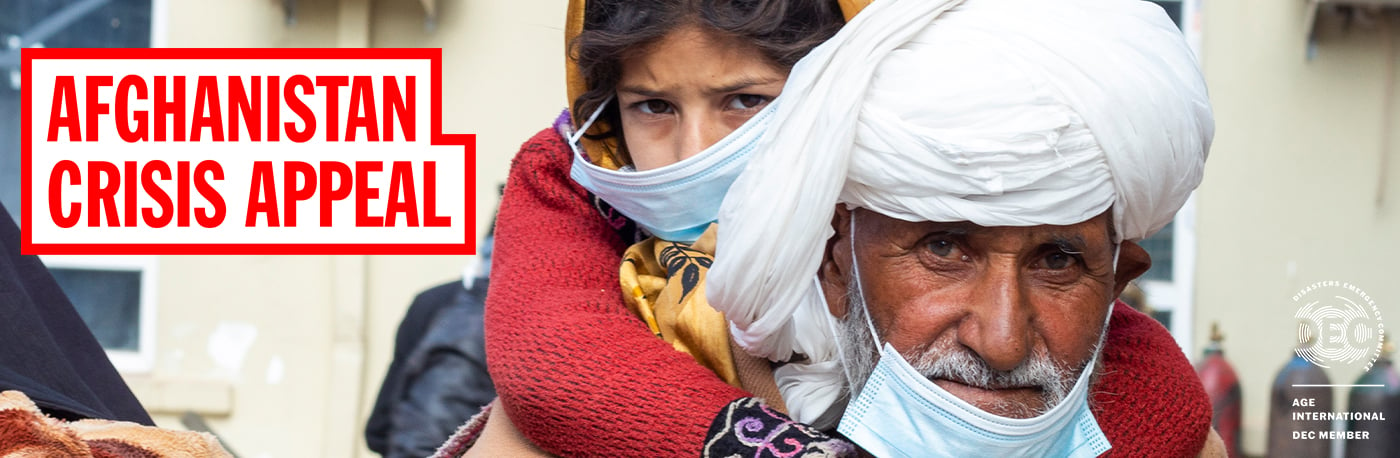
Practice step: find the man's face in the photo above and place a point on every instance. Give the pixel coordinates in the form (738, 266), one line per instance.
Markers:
(1005, 318)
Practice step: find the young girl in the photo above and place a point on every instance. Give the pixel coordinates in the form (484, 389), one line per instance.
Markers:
(577, 372)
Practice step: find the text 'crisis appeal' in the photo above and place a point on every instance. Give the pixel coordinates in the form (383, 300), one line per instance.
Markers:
(247, 151)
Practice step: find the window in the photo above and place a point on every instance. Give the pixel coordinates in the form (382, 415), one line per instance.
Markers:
(1170, 284)
(115, 295)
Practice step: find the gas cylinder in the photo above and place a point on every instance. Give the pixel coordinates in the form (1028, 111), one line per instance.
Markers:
(1382, 437)
(1223, 387)
(1289, 435)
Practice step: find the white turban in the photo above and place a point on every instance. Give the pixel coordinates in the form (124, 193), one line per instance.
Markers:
(998, 112)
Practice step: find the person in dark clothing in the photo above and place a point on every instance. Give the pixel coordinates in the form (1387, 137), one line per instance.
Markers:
(48, 353)
(437, 379)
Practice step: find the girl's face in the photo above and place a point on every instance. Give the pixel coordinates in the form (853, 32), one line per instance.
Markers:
(687, 91)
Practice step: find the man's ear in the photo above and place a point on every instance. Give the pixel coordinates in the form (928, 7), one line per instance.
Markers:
(1133, 261)
(832, 272)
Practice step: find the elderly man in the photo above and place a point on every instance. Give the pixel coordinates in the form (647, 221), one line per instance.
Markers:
(991, 165)
(930, 237)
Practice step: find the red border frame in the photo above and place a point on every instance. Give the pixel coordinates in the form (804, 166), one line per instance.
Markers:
(434, 55)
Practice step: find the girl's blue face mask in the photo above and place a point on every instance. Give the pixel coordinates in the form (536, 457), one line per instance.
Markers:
(679, 201)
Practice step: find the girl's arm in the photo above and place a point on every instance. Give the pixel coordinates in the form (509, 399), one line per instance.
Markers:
(577, 372)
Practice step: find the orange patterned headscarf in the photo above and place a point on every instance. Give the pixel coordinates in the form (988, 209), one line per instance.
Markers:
(603, 153)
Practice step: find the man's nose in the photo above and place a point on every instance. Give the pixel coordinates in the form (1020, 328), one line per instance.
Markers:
(998, 324)
(698, 132)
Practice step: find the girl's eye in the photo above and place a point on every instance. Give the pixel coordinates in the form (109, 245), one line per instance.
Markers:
(942, 248)
(654, 106)
(747, 101)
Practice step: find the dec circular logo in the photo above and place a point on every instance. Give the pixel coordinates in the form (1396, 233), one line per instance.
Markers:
(1338, 323)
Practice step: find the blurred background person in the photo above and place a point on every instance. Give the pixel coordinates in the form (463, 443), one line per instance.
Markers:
(437, 379)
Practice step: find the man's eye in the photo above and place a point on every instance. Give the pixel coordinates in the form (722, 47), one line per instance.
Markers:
(654, 106)
(747, 101)
(1058, 261)
(942, 248)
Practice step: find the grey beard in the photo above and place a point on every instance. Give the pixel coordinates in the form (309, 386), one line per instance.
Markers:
(857, 345)
(861, 355)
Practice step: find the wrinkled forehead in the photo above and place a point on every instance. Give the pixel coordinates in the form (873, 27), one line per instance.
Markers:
(1095, 231)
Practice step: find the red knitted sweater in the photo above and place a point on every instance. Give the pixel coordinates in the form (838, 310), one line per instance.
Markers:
(581, 376)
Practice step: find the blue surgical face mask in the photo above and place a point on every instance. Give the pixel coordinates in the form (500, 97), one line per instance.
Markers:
(901, 413)
(676, 202)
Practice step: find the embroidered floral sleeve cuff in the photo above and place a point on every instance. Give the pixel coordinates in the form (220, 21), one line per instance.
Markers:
(748, 427)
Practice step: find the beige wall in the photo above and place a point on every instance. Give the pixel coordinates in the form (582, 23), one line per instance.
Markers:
(284, 354)
(1290, 192)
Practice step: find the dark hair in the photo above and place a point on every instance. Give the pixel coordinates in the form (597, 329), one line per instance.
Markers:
(614, 30)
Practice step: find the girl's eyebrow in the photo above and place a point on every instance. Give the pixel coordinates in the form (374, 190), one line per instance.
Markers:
(727, 87)
(642, 91)
(740, 84)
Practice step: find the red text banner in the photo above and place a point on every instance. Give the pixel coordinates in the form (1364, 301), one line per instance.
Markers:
(241, 151)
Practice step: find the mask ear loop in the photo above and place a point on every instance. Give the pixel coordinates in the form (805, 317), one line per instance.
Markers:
(840, 349)
(831, 321)
(1117, 247)
(578, 134)
(860, 290)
